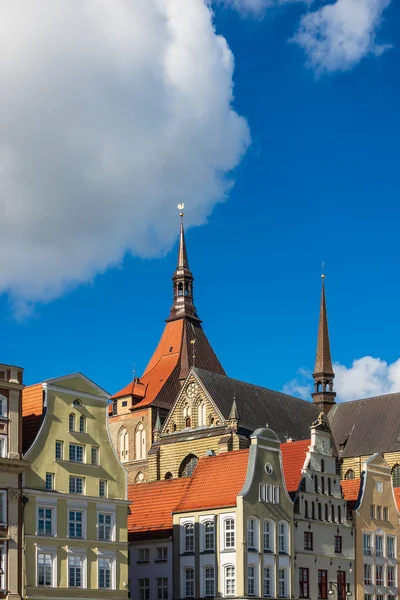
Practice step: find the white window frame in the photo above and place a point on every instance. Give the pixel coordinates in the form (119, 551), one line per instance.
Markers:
(104, 482)
(82, 553)
(251, 533)
(47, 506)
(97, 452)
(83, 484)
(229, 533)
(78, 506)
(232, 591)
(112, 557)
(145, 555)
(73, 446)
(283, 579)
(53, 553)
(163, 586)
(3, 407)
(62, 450)
(109, 513)
(3, 565)
(379, 552)
(271, 546)
(185, 582)
(162, 554)
(367, 574)
(285, 538)
(209, 580)
(3, 446)
(53, 478)
(268, 569)
(252, 580)
(380, 581)
(394, 569)
(208, 534)
(188, 537)
(3, 507)
(367, 547)
(393, 553)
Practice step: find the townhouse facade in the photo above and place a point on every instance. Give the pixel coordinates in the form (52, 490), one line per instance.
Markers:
(75, 494)
(11, 468)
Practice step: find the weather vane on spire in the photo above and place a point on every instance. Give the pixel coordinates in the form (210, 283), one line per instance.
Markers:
(181, 207)
(323, 266)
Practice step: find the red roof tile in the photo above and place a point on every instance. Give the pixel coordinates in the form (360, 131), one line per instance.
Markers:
(351, 488)
(216, 481)
(152, 504)
(293, 457)
(32, 407)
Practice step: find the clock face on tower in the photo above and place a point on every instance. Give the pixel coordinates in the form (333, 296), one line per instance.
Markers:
(192, 389)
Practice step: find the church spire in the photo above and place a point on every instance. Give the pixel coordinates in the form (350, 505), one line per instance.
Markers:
(182, 281)
(323, 374)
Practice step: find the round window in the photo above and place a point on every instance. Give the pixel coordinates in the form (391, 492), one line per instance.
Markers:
(268, 468)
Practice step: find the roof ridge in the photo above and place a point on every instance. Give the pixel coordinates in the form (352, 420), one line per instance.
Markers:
(369, 398)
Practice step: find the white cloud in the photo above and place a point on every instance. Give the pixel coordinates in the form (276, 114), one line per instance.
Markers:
(366, 377)
(337, 36)
(111, 113)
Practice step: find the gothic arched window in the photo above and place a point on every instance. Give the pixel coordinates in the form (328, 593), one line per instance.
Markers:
(326, 513)
(315, 484)
(82, 424)
(396, 476)
(188, 465)
(123, 445)
(312, 510)
(71, 422)
(350, 474)
(140, 442)
(319, 511)
(202, 414)
(329, 487)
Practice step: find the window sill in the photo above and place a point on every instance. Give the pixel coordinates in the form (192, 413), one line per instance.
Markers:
(268, 551)
(161, 560)
(207, 552)
(142, 562)
(252, 550)
(191, 553)
(285, 554)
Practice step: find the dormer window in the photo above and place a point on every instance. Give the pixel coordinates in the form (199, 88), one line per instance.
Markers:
(77, 402)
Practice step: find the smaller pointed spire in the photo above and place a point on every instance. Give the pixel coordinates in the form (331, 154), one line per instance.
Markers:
(182, 281)
(234, 414)
(323, 375)
(157, 427)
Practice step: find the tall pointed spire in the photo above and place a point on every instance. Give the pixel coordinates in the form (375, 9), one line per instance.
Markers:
(182, 281)
(323, 374)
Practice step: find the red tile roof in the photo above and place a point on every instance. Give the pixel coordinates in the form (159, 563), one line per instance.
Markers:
(152, 504)
(32, 407)
(397, 497)
(351, 488)
(293, 457)
(216, 481)
(161, 365)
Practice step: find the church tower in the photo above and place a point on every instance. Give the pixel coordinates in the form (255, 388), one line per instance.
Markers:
(323, 375)
(139, 409)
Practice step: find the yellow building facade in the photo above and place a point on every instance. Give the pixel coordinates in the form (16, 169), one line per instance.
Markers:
(75, 507)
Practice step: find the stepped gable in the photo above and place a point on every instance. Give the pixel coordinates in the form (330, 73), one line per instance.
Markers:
(182, 344)
(152, 505)
(32, 411)
(355, 427)
(293, 459)
(258, 407)
(226, 471)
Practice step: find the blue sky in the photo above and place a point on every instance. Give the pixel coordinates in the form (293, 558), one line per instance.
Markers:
(319, 182)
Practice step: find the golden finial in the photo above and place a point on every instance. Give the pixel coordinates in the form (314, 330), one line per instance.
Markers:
(181, 207)
(323, 265)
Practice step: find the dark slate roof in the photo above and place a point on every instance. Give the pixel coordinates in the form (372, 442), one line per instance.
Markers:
(363, 427)
(257, 406)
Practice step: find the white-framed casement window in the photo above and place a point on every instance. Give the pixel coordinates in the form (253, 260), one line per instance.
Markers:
(188, 532)
(230, 580)
(106, 526)
(162, 588)
(209, 535)
(379, 545)
(144, 589)
(94, 455)
(3, 566)
(76, 452)
(391, 576)
(229, 533)
(76, 485)
(77, 568)
(76, 523)
(268, 582)
(367, 574)
(71, 422)
(209, 581)
(162, 554)
(3, 406)
(46, 520)
(269, 493)
(268, 535)
(49, 481)
(251, 580)
(59, 450)
(283, 541)
(379, 575)
(252, 533)
(106, 571)
(3, 446)
(46, 566)
(188, 582)
(367, 537)
(391, 546)
(3, 507)
(143, 555)
(282, 583)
